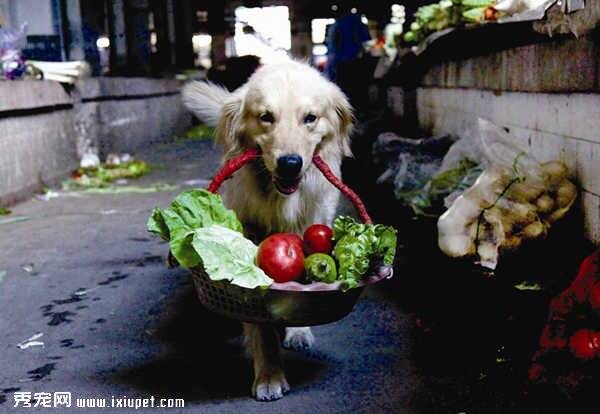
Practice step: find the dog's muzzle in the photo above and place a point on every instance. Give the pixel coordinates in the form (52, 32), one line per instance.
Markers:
(287, 177)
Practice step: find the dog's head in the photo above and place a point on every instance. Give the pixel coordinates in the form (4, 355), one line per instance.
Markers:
(290, 112)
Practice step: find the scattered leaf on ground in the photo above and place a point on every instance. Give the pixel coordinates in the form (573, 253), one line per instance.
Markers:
(130, 189)
(200, 183)
(14, 219)
(48, 195)
(197, 133)
(4, 211)
(31, 341)
(105, 174)
(528, 286)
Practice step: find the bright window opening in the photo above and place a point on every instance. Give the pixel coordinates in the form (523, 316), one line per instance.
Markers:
(264, 32)
(202, 44)
(319, 29)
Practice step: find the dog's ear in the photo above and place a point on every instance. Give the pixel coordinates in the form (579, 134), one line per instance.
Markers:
(228, 127)
(345, 120)
(345, 114)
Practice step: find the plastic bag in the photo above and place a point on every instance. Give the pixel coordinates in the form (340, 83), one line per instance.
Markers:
(12, 65)
(515, 199)
(409, 163)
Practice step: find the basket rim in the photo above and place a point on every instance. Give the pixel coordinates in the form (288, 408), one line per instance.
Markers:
(384, 272)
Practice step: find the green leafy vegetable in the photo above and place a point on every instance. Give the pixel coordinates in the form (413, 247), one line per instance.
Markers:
(358, 246)
(198, 132)
(128, 189)
(104, 174)
(428, 200)
(189, 211)
(228, 255)
(475, 15)
(446, 14)
(525, 285)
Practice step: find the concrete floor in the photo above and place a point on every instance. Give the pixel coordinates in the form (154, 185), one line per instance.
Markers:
(115, 321)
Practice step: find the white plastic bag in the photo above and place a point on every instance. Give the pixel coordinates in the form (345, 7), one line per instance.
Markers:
(12, 65)
(515, 199)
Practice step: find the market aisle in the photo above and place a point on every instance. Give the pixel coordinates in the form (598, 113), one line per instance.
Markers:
(115, 321)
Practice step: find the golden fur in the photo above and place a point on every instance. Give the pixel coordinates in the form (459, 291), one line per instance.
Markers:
(289, 91)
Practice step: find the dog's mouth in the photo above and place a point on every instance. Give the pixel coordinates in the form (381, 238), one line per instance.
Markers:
(286, 186)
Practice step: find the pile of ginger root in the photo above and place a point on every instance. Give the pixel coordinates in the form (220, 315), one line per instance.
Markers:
(502, 209)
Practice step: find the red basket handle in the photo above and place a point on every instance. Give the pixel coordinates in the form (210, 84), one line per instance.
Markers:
(238, 162)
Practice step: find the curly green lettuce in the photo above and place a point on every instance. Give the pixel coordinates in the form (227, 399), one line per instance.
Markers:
(358, 246)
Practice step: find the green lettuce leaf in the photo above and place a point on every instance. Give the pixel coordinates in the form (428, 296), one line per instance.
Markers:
(358, 246)
(228, 255)
(189, 211)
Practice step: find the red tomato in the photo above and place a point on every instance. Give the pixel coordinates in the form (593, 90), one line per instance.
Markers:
(281, 257)
(318, 239)
(585, 344)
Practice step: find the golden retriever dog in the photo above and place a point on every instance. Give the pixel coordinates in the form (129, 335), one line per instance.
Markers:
(289, 111)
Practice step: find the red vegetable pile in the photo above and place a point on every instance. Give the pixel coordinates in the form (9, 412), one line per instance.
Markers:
(572, 330)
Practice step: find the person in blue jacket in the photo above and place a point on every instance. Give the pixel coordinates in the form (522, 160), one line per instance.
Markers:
(345, 40)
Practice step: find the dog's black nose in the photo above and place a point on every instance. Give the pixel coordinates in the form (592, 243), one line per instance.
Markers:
(289, 166)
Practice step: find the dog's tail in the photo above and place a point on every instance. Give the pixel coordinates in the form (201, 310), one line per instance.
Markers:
(205, 100)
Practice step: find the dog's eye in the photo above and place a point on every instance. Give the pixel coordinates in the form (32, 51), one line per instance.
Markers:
(310, 118)
(267, 117)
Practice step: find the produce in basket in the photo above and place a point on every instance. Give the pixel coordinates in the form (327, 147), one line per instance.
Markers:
(320, 267)
(318, 238)
(281, 257)
(202, 231)
(357, 247)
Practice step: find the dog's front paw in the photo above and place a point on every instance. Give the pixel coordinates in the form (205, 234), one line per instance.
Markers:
(298, 338)
(270, 387)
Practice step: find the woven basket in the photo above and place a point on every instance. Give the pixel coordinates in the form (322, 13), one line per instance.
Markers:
(291, 303)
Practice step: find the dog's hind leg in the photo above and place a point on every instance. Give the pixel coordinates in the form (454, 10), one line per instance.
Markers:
(269, 379)
(298, 338)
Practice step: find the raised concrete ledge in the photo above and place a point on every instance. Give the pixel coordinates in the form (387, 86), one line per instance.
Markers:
(45, 128)
(22, 95)
(562, 65)
(107, 88)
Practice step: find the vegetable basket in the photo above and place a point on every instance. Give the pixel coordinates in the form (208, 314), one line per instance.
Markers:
(290, 303)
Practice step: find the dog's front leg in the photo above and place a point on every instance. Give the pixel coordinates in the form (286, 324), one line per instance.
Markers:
(269, 379)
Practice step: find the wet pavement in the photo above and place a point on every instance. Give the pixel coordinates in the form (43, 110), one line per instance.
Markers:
(89, 307)
(83, 272)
